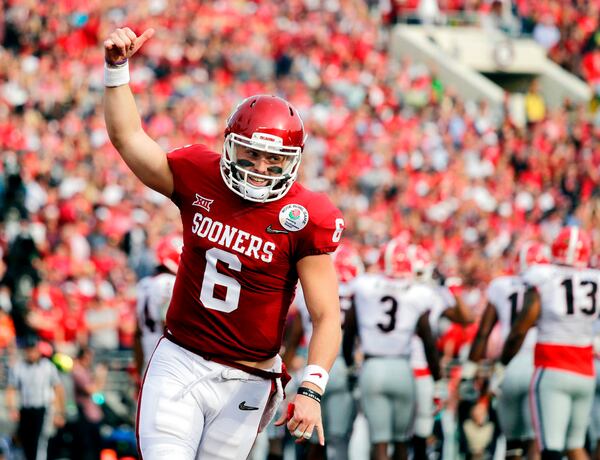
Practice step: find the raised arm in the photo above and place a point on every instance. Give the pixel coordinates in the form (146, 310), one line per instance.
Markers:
(143, 155)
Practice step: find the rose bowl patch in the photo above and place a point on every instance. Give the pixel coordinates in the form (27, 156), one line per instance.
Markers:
(293, 217)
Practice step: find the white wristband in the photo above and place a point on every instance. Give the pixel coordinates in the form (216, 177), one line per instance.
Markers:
(317, 375)
(116, 76)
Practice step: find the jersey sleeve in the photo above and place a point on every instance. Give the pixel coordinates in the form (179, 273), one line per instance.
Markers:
(447, 297)
(439, 304)
(53, 371)
(187, 163)
(493, 292)
(422, 297)
(324, 231)
(345, 289)
(536, 275)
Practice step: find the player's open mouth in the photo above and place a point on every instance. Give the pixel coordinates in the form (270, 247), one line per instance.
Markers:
(258, 182)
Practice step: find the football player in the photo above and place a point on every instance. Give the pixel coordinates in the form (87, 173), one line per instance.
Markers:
(250, 232)
(562, 300)
(595, 422)
(445, 305)
(505, 301)
(338, 408)
(388, 309)
(153, 298)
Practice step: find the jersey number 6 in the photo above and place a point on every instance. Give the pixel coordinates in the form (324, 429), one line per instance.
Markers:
(339, 228)
(212, 277)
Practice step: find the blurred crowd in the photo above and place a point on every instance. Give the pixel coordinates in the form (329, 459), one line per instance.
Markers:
(396, 148)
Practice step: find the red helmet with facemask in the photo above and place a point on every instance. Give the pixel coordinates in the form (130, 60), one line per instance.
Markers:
(420, 261)
(532, 253)
(266, 124)
(572, 247)
(347, 262)
(168, 252)
(399, 259)
(393, 258)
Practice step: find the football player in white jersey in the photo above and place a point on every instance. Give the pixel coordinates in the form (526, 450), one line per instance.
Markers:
(595, 424)
(388, 309)
(337, 405)
(444, 305)
(562, 300)
(153, 298)
(505, 300)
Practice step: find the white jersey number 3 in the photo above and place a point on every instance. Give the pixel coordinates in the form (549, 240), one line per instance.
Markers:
(212, 277)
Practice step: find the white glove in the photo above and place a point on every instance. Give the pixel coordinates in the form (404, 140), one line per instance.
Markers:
(468, 370)
(497, 379)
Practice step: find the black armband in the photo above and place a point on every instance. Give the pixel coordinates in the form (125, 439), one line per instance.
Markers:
(304, 391)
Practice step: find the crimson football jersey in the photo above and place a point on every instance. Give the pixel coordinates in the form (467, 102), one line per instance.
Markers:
(237, 275)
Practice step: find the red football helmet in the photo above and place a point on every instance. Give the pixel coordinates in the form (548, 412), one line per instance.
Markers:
(168, 251)
(394, 260)
(532, 253)
(572, 246)
(420, 261)
(347, 262)
(267, 124)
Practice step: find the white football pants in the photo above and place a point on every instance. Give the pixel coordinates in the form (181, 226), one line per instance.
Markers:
(191, 408)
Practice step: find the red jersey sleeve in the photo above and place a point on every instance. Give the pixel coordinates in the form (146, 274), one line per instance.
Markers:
(324, 230)
(186, 163)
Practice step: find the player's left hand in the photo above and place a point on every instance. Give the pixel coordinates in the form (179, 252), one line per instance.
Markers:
(303, 418)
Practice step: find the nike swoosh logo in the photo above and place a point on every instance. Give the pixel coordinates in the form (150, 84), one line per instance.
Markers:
(270, 229)
(318, 374)
(243, 406)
